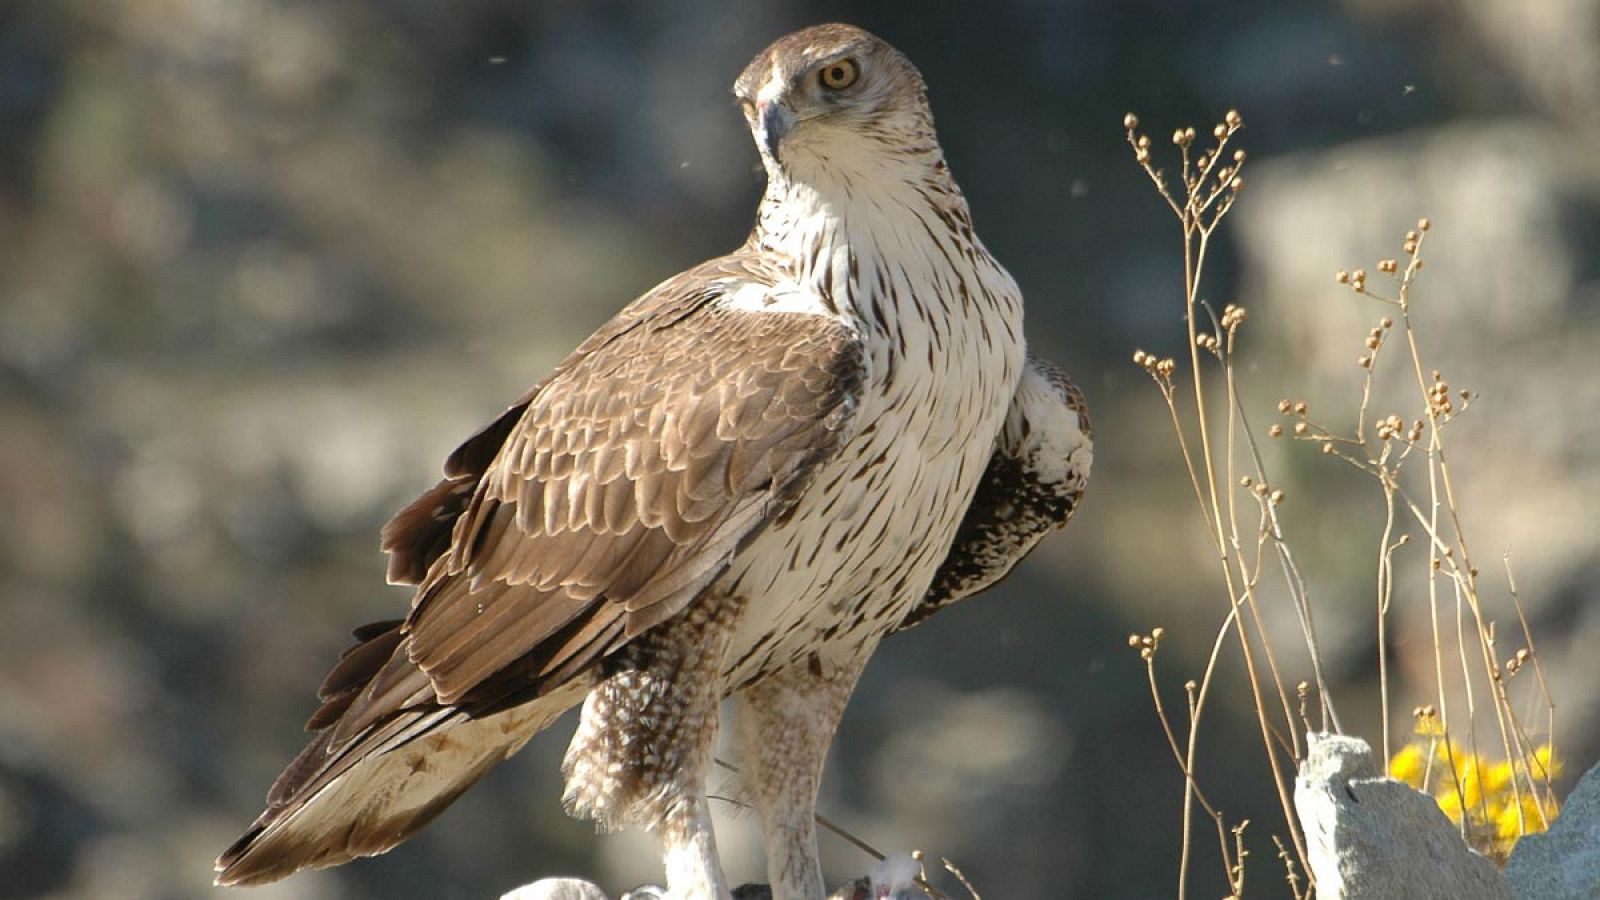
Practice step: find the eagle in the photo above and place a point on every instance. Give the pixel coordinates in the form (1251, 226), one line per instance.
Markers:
(734, 489)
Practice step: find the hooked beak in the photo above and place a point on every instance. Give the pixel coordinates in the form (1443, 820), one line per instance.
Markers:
(775, 121)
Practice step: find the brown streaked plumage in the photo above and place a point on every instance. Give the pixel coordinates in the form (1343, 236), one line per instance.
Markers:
(625, 483)
(734, 488)
(1031, 486)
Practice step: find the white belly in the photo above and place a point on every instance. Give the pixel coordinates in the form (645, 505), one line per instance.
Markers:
(868, 535)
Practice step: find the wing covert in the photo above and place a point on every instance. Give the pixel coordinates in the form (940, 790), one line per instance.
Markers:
(626, 484)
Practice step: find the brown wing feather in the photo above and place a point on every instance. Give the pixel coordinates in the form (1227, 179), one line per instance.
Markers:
(420, 533)
(632, 477)
(596, 507)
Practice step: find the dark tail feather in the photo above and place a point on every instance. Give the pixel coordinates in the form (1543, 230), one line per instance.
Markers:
(383, 789)
(358, 792)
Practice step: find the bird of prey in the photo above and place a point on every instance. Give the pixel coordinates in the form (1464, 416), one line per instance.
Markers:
(734, 489)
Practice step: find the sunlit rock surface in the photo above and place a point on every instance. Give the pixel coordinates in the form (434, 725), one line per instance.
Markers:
(1369, 837)
(1564, 862)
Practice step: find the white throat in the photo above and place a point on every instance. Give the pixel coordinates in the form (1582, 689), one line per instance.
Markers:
(867, 232)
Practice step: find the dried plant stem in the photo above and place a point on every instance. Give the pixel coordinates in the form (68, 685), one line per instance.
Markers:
(1210, 185)
(1449, 560)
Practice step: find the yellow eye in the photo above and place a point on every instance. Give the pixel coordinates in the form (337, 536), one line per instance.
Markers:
(836, 76)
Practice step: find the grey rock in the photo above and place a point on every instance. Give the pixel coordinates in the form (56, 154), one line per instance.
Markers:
(1369, 837)
(1563, 863)
(893, 878)
(557, 889)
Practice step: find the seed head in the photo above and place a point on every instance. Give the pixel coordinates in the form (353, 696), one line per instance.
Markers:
(1130, 121)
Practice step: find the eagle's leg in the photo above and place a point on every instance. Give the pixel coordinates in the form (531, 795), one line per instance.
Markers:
(785, 724)
(645, 739)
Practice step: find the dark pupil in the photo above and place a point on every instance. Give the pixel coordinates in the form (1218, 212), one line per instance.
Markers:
(836, 74)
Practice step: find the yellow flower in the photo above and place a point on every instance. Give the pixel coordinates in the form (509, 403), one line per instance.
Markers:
(1534, 818)
(1471, 780)
(1448, 755)
(1497, 778)
(1494, 801)
(1449, 801)
(1546, 766)
(1409, 765)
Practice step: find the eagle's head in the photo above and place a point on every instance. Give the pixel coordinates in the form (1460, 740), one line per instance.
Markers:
(835, 98)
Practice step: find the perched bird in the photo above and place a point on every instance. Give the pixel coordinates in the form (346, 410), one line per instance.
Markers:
(735, 488)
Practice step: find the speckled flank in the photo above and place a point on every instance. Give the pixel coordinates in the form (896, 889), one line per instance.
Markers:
(647, 729)
(1031, 486)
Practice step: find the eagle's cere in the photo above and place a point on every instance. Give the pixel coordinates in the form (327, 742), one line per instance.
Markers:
(735, 488)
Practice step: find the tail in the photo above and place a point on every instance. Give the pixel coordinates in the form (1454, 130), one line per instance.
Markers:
(386, 761)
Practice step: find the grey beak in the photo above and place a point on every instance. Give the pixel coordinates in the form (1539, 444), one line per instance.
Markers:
(776, 121)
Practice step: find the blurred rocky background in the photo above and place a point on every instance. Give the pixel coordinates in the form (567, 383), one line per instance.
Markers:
(262, 264)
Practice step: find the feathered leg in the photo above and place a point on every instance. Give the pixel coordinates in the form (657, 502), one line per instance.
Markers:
(644, 744)
(786, 722)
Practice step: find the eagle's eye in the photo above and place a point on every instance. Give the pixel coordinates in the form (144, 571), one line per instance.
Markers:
(836, 76)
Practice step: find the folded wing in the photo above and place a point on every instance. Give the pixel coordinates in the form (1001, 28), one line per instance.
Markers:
(599, 505)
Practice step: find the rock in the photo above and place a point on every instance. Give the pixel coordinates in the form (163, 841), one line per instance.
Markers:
(1369, 837)
(557, 889)
(893, 878)
(1563, 863)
